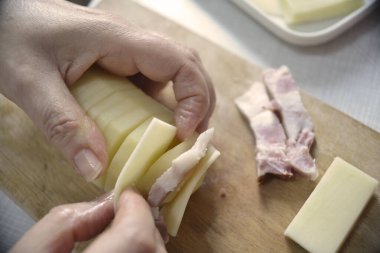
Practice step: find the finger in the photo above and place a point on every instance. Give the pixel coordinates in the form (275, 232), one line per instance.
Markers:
(162, 60)
(64, 225)
(48, 102)
(133, 229)
(204, 124)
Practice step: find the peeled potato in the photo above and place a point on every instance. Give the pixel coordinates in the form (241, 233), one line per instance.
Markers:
(162, 164)
(154, 142)
(131, 102)
(140, 139)
(117, 97)
(123, 154)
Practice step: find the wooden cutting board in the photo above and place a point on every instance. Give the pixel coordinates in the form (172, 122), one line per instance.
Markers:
(231, 212)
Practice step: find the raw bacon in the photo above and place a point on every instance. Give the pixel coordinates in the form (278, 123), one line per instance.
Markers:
(279, 153)
(269, 134)
(296, 120)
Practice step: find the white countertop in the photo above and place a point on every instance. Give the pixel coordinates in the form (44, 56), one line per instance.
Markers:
(344, 73)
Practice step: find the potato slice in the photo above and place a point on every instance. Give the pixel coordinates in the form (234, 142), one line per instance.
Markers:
(173, 212)
(117, 130)
(131, 102)
(95, 79)
(115, 98)
(96, 85)
(87, 88)
(162, 164)
(123, 154)
(151, 146)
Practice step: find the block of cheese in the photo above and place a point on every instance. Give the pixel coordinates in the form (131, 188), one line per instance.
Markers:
(153, 143)
(328, 215)
(299, 11)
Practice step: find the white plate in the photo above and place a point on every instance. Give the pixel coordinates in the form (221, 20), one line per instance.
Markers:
(307, 34)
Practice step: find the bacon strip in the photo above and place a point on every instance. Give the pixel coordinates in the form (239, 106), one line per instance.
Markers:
(269, 133)
(296, 120)
(279, 153)
(181, 166)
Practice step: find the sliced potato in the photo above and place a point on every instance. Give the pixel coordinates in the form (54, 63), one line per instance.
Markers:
(110, 101)
(173, 212)
(162, 164)
(151, 146)
(123, 154)
(117, 130)
(132, 101)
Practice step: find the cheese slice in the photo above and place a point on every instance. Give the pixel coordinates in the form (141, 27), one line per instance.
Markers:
(331, 210)
(299, 11)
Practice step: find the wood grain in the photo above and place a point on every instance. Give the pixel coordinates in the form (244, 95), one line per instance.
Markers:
(231, 212)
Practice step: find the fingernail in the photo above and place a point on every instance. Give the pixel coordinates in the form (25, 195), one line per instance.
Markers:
(87, 164)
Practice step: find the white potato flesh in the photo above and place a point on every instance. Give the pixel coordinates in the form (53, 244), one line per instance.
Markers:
(123, 154)
(162, 164)
(154, 142)
(117, 130)
(110, 101)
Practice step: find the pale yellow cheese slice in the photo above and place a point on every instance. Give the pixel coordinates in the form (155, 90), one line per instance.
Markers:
(173, 211)
(299, 11)
(331, 210)
(154, 142)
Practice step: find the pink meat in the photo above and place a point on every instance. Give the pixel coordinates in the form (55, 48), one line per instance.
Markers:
(296, 121)
(181, 166)
(284, 90)
(269, 133)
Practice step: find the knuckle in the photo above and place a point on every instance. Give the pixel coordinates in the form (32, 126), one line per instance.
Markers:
(193, 55)
(60, 126)
(62, 214)
(144, 244)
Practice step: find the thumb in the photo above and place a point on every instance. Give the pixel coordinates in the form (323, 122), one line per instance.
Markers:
(49, 103)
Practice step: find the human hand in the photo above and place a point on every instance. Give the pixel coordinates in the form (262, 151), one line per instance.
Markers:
(132, 230)
(46, 46)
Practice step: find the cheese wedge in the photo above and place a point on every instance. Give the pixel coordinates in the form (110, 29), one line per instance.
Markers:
(154, 142)
(299, 11)
(331, 210)
(173, 212)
